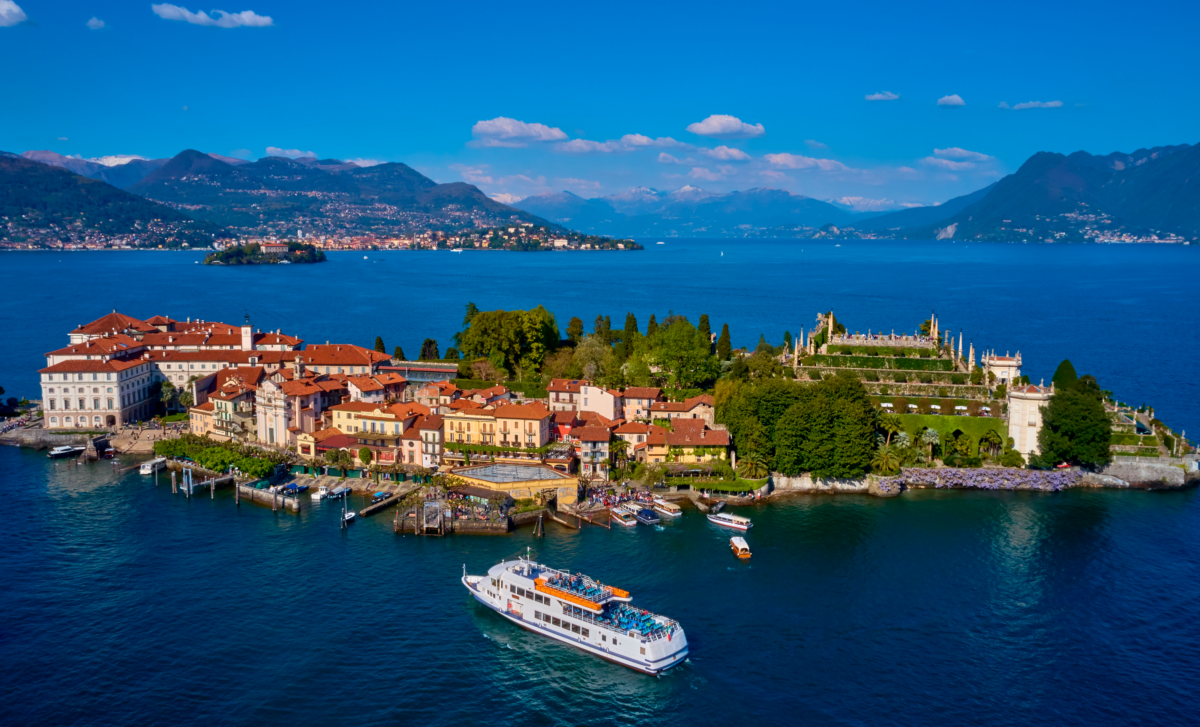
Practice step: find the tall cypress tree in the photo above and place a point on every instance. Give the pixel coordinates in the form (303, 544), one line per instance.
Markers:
(398, 354)
(723, 346)
(787, 341)
(575, 329)
(652, 326)
(704, 326)
(379, 344)
(1065, 375)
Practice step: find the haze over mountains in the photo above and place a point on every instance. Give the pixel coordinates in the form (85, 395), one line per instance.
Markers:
(1078, 197)
(1051, 197)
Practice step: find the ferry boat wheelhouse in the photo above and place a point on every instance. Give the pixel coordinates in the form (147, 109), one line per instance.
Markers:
(582, 612)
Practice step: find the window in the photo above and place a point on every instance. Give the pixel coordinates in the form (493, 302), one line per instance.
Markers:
(95, 403)
(555, 619)
(603, 637)
(575, 628)
(585, 633)
(537, 615)
(643, 651)
(52, 406)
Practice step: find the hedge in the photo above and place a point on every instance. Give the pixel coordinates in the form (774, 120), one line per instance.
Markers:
(881, 351)
(946, 425)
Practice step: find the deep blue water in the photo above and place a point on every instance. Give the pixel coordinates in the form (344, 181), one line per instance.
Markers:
(1125, 313)
(125, 604)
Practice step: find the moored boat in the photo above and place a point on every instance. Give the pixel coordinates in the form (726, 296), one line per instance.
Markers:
(152, 466)
(740, 547)
(321, 493)
(730, 520)
(669, 509)
(621, 517)
(582, 612)
(646, 516)
(60, 452)
(339, 491)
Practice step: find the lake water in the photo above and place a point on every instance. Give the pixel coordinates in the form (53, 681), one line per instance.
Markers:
(126, 604)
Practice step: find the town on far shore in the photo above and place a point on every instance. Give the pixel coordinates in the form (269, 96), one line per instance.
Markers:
(549, 418)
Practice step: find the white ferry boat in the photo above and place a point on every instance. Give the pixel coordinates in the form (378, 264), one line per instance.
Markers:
(736, 522)
(670, 509)
(152, 466)
(582, 612)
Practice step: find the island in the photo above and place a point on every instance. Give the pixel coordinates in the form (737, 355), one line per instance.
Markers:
(266, 253)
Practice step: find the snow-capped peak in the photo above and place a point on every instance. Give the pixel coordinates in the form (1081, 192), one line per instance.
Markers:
(116, 160)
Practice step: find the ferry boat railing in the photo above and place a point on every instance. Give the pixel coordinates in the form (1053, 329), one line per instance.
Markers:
(668, 626)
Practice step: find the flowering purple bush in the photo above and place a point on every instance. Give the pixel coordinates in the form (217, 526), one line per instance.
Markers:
(982, 479)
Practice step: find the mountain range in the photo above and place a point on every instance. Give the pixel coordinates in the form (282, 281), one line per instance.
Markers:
(275, 194)
(1051, 197)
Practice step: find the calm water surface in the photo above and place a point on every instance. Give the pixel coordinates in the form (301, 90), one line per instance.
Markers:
(125, 604)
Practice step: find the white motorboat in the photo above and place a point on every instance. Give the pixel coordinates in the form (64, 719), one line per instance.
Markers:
(61, 452)
(669, 509)
(582, 612)
(320, 494)
(729, 520)
(621, 517)
(152, 466)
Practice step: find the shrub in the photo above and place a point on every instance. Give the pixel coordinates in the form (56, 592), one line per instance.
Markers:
(900, 378)
(900, 405)
(884, 390)
(898, 352)
(924, 406)
(814, 375)
(947, 406)
(925, 378)
(943, 392)
(973, 408)
(871, 376)
(959, 379)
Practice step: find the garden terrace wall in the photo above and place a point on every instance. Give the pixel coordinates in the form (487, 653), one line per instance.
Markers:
(878, 362)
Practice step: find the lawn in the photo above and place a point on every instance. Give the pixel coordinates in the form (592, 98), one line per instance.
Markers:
(946, 425)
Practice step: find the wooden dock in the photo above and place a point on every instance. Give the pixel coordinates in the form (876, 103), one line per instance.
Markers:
(392, 501)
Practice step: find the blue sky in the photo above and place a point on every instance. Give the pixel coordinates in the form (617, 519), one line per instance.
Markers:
(598, 98)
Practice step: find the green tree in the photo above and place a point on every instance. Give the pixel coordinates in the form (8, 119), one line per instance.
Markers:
(754, 465)
(575, 329)
(168, 394)
(930, 438)
(704, 326)
(787, 341)
(1075, 427)
(186, 399)
(652, 327)
(1064, 375)
(889, 424)
(398, 354)
(429, 350)
(723, 345)
(682, 352)
(763, 346)
(364, 456)
(886, 460)
(829, 432)
(452, 354)
(470, 315)
(379, 344)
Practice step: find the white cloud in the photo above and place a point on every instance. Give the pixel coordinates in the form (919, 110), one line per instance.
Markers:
(665, 158)
(1037, 105)
(955, 152)
(725, 154)
(1004, 105)
(586, 146)
(952, 100)
(662, 141)
(274, 151)
(814, 144)
(906, 170)
(63, 138)
(882, 96)
(244, 19)
(796, 161)
(95, 23)
(947, 164)
(721, 126)
(11, 14)
(473, 175)
(774, 175)
(506, 198)
(505, 132)
(702, 173)
(367, 162)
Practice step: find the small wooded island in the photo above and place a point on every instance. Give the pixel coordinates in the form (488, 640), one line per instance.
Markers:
(267, 253)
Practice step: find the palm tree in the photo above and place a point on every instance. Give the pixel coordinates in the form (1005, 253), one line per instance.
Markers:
(619, 449)
(890, 424)
(991, 440)
(754, 465)
(886, 461)
(930, 438)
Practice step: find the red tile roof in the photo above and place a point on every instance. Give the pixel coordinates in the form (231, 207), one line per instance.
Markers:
(113, 323)
(522, 411)
(642, 392)
(592, 434)
(83, 365)
(697, 438)
(567, 385)
(206, 406)
(105, 345)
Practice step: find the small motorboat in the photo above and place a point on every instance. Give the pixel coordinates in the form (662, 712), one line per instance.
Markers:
(154, 465)
(740, 547)
(718, 507)
(380, 497)
(646, 516)
(339, 491)
(61, 452)
(621, 517)
(320, 494)
(109, 453)
(737, 522)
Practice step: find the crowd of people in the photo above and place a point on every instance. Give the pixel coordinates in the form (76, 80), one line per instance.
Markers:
(610, 498)
(11, 424)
